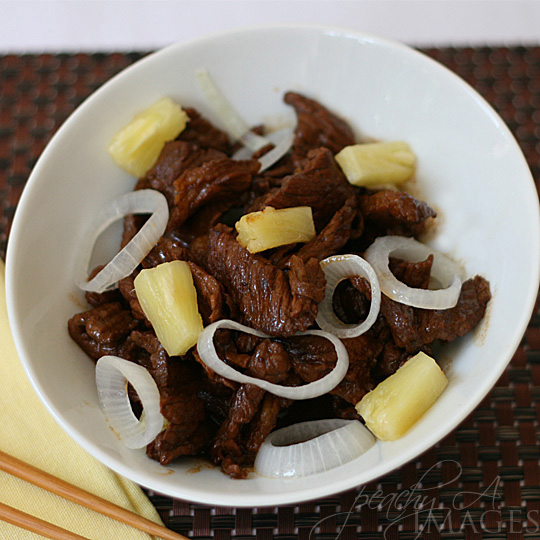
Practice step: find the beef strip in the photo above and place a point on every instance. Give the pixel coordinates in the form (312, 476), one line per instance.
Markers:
(102, 330)
(317, 127)
(319, 184)
(312, 357)
(269, 299)
(227, 447)
(221, 178)
(333, 237)
(395, 212)
(178, 381)
(201, 132)
(363, 352)
(412, 328)
(175, 158)
(351, 301)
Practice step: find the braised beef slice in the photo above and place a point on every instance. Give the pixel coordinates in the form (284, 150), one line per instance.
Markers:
(126, 286)
(102, 330)
(223, 178)
(363, 352)
(166, 250)
(227, 447)
(270, 362)
(210, 297)
(178, 381)
(317, 127)
(413, 328)
(333, 237)
(390, 360)
(319, 184)
(271, 300)
(97, 299)
(201, 132)
(351, 301)
(175, 158)
(321, 407)
(395, 212)
(312, 357)
(263, 423)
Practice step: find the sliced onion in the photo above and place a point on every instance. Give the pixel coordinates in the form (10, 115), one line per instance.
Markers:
(312, 447)
(112, 375)
(143, 201)
(444, 270)
(208, 354)
(336, 269)
(233, 123)
(282, 147)
(282, 141)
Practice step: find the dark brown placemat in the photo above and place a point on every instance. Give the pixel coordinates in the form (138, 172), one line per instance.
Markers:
(482, 480)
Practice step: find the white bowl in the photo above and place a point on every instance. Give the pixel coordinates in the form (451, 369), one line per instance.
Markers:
(470, 169)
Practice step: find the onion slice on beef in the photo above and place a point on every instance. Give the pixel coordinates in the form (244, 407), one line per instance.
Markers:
(208, 354)
(112, 377)
(336, 269)
(447, 272)
(143, 201)
(283, 145)
(282, 141)
(312, 447)
(233, 123)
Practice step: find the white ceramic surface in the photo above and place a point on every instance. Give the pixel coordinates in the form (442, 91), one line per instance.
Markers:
(470, 169)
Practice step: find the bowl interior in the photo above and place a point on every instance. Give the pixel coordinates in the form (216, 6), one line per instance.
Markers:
(469, 165)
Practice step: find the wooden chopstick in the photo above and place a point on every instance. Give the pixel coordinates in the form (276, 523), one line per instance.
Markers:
(36, 525)
(55, 485)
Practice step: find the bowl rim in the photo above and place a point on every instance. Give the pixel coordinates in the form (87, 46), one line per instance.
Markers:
(286, 496)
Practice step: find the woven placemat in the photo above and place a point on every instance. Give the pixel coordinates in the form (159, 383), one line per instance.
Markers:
(483, 479)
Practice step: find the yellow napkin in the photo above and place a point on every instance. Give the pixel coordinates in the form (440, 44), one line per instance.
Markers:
(28, 432)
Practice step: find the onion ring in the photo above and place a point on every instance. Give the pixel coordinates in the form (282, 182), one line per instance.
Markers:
(446, 271)
(112, 375)
(312, 447)
(141, 201)
(208, 354)
(336, 269)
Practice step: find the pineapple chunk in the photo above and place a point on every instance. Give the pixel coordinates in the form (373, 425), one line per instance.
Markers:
(400, 400)
(269, 228)
(169, 301)
(137, 147)
(377, 163)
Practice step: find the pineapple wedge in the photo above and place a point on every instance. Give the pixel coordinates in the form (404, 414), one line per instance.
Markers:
(137, 147)
(269, 228)
(400, 400)
(379, 163)
(169, 301)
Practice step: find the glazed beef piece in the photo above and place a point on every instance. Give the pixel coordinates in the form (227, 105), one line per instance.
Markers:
(363, 353)
(201, 132)
(395, 212)
(178, 381)
(413, 328)
(319, 184)
(334, 236)
(222, 179)
(317, 127)
(312, 357)
(228, 449)
(175, 158)
(271, 300)
(102, 330)
(351, 301)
